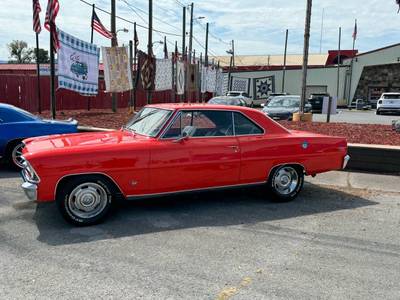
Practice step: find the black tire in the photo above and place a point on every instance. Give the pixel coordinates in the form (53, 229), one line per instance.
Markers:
(377, 112)
(94, 186)
(9, 154)
(292, 192)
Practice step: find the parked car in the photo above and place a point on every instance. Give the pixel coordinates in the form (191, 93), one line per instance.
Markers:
(170, 149)
(242, 95)
(388, 102)
(17, 124)
(316, 101)
(227, 100)
(283, 107)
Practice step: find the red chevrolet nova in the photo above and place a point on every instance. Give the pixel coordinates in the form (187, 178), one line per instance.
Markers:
(174, 148)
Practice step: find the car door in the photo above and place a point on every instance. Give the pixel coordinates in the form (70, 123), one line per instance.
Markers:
(257, 150)
(210, 158)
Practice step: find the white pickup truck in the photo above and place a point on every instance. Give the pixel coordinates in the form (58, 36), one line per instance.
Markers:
(388, 102)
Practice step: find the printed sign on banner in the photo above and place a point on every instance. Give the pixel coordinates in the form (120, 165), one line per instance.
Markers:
(78, 65)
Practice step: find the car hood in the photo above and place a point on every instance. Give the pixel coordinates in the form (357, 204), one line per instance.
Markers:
(80, 141)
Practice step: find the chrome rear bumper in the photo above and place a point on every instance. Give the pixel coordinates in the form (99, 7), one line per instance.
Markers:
(30, 190)
(345, 161)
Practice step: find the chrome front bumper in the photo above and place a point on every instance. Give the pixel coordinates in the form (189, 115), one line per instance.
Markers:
(345, 161)
(30, 190)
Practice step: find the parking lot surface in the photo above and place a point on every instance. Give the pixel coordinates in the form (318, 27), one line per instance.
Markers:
(339, 240)
(358, 117)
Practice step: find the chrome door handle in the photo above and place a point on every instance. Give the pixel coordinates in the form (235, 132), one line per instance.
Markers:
(235, 148)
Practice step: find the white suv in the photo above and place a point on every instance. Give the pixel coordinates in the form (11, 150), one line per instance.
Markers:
(388, 102)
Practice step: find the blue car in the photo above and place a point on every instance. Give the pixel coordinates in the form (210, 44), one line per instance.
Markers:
(17, 124)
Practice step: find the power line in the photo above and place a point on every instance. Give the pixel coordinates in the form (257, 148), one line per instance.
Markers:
(134, 8)
(130, 22)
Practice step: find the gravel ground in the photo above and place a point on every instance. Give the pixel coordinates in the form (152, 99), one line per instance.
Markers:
(336, 241)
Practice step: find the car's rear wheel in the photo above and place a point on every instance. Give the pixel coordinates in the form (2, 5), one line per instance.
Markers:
(84, 200)
(286, 182)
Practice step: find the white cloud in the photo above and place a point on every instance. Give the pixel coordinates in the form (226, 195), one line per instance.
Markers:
(256, 26)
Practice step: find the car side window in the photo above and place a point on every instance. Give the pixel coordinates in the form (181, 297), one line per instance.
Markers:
(208, 123)
(244, 126)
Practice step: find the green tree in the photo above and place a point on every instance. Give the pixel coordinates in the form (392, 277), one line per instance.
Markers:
(19, 52)
(43, 56)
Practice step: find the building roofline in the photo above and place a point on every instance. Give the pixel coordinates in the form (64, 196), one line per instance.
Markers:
(377, 50)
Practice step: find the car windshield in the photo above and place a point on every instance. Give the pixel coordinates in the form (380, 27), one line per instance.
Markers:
(149, 121)
(284, 102)
(391, 96)
(26, 114)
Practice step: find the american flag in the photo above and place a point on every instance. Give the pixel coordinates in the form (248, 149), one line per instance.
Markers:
(135, 38)
(36, 18)
(398, 3)
(99, 27)
(51, 14)
(355, 31)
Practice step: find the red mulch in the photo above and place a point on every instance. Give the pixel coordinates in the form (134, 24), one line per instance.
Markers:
(355, 133)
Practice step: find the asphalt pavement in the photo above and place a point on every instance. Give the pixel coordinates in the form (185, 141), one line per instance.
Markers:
(358, 117)
(339, 240)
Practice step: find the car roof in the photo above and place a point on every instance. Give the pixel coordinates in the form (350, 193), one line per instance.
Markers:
(176, 106)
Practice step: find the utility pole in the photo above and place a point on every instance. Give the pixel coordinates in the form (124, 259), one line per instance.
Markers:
(206, 49)
(113, 44)
(233, 53)
(328, 116)
(52, 70)
(322, 31)
(136, 66)
(352, 62)
(305, 56)
(132, 93)
(191, 33)
(150, 43)
(182, 97)
(284, 62)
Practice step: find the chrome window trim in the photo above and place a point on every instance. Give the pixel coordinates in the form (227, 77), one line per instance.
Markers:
(178, 113)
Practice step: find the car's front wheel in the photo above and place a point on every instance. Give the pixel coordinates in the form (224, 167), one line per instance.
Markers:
(84, 200)
(378, 112)
(286, 182)
(13, 154)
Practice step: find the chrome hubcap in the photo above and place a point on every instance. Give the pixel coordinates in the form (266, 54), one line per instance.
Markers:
(17, 155)
(285, 180)
(87, 200)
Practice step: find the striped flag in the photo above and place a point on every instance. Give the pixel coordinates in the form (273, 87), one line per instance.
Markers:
(135, 38)
(36, 17)
(398, 3)
(355, 30)
(51, 14)
(99, 27)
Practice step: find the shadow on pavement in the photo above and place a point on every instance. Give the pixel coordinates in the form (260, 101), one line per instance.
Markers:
(207, 209)
(7, 172)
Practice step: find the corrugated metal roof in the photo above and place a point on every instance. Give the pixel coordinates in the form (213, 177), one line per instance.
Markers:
(272, 60)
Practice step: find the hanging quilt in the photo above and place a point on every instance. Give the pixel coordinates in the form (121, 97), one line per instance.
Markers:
(180, 78)
(219, 87)
(78, 65)
(203, 80)
(163, 79)
(147, 65)
(192, 77)
(117, 71)
(263, 87)
(211, 79)
(240, 84)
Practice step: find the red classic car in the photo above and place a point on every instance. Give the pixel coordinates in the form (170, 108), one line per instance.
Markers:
(174, 148)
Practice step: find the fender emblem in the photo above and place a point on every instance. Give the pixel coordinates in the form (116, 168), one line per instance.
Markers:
(304, 145)
(133, 182)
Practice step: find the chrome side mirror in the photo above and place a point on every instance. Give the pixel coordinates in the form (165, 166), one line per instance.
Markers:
(187, 132)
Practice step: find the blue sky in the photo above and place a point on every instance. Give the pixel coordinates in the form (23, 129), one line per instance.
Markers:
(256, 26)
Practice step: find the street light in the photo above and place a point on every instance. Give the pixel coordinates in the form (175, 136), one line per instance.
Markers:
(122, 29)
(157, 42)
